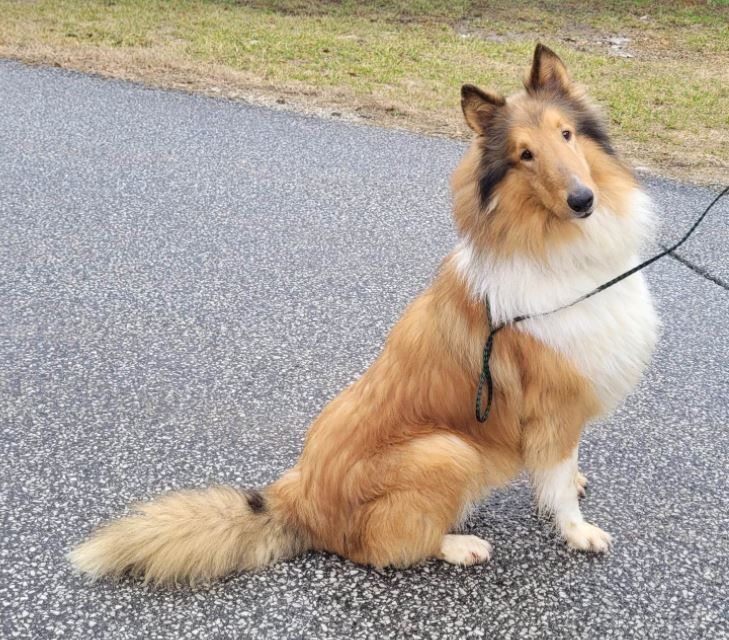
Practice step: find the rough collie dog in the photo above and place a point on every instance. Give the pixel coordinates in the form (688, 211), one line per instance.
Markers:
(545, 212)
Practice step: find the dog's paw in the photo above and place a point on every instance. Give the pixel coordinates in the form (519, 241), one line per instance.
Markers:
(581, 483)
(464, 550)
(587, 537)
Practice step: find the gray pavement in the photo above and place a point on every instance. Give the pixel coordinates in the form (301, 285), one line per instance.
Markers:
(185, 282)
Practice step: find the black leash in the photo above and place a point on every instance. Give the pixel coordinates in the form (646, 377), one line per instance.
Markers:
(485, 378)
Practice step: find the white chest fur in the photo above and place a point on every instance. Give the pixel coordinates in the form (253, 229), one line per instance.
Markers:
(609, 337)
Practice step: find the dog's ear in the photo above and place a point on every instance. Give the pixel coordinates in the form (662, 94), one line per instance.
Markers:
(548, 72)
(479, 107)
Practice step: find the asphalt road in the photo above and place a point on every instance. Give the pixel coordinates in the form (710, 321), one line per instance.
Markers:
(185, 282)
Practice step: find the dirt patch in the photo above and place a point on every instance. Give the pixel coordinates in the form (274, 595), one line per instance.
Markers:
(156, 70)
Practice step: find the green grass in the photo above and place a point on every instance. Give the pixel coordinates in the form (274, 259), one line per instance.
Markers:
(403, 62)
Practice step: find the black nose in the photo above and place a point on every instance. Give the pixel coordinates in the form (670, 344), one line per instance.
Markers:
(580, 201)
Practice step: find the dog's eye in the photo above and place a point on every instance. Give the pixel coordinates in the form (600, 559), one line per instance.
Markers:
(567, 134)
(526, 155)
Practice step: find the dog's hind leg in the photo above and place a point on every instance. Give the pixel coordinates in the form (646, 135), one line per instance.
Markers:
(464, 550)
(437, 479)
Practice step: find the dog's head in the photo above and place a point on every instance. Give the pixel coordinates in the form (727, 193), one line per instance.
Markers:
(533, 165)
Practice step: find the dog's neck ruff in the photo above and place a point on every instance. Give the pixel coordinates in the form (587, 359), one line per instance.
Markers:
(637, 280)
(585, 334)
(520, 284)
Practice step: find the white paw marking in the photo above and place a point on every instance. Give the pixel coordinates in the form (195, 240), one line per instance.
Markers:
(464, 550)
(580, 483)
(587, 537)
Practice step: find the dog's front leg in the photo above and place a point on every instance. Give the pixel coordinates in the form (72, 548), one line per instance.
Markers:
(557, 492)
(580, 478)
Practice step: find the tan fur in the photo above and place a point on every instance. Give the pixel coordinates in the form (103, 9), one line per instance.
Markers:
(388, 467)
(394, 461)
(519, 225)
(193, 536)
(396, 457)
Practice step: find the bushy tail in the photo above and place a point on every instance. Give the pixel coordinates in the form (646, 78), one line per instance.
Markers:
(193, 536)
